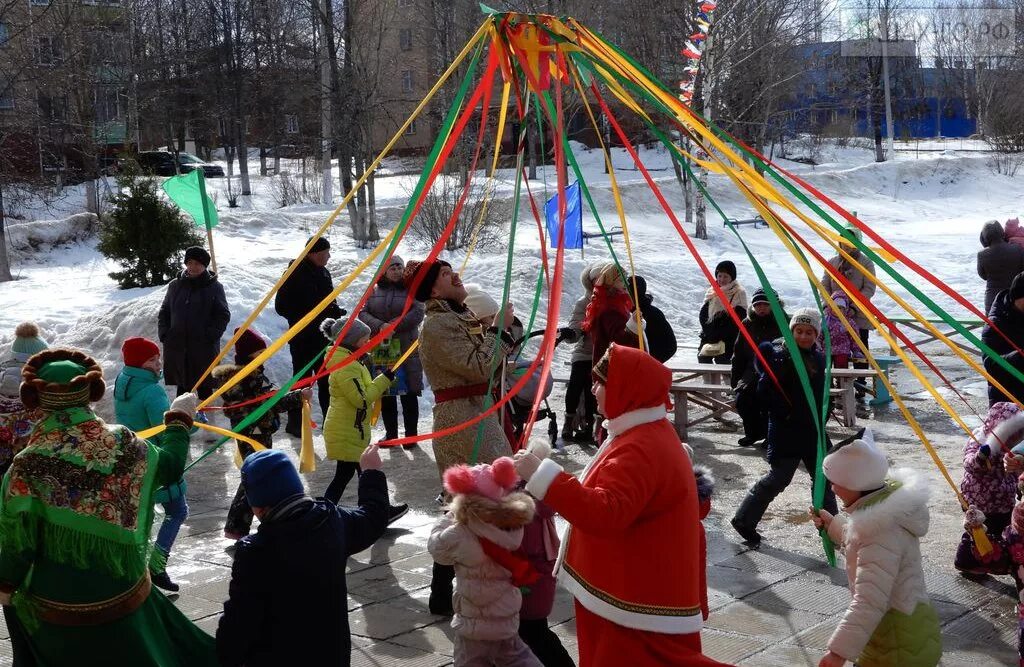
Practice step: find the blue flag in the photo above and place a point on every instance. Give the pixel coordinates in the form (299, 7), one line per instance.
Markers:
(573, 218)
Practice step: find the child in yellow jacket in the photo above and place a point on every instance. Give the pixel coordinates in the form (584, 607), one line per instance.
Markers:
(348, 425)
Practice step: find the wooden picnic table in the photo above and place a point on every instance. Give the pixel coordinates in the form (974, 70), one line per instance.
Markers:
(945, 329)
(705, 385)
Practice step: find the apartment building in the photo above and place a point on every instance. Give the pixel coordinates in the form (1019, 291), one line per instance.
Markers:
(64, 86)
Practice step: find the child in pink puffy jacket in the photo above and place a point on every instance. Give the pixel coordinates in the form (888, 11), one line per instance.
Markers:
(480, 535)
(843, 349)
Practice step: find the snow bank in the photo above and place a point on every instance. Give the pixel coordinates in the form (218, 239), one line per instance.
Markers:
(42, 235)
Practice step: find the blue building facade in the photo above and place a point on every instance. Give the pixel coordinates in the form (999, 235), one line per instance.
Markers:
(832, 95)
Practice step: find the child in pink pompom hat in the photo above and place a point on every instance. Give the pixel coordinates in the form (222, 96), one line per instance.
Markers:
(478, 536)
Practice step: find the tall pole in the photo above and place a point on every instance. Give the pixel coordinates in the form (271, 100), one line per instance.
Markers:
(5, 265)
(325, 105)
(885, 82)
(701, 228)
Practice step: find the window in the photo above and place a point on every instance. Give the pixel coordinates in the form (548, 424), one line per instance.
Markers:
(407, 81)
(108, 104)
(405, 39)
(411, 129)
(49, 51)
(52, 109)
(5, 33)
(291, 124)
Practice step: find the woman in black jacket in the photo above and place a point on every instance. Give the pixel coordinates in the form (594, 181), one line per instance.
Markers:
(761, 325)
(192, 319)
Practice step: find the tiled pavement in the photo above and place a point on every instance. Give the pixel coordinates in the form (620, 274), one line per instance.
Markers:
(768, 607)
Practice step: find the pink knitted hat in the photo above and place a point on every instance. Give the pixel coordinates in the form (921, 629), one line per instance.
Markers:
(492, 481)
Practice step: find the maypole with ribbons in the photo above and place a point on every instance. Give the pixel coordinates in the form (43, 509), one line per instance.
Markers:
(536, 64)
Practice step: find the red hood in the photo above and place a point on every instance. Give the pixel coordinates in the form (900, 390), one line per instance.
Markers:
(636, 380)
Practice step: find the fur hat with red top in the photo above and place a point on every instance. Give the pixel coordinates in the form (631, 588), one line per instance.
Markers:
(137, 351)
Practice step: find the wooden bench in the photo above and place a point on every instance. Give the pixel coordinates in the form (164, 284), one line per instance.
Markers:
(943, 328)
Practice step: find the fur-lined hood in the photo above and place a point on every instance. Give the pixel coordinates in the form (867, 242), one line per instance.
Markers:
(225, 371)
(705, 482)
(515, 510)
(906, 506)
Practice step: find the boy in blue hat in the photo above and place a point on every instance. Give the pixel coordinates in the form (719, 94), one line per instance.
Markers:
(288, 579)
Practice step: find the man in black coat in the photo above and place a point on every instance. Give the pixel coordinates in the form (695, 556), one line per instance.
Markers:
(761, 325)
(288, 600)
(998, 261)
(191, 321)
(304, 289)
(660, 337)
(1007, 315)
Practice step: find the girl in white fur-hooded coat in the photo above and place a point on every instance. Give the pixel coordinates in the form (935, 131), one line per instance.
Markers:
(479, 535)
(890, 622)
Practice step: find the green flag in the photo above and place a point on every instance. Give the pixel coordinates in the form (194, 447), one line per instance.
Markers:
(188, 191)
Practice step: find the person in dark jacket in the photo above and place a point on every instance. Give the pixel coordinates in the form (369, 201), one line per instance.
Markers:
(792, 433)
(1007, 315)
(577, 427)
(304, 289)
(998, 261)
(191, 321)
(717, 328)
(660, 337)
(383, 307)
(761, 325)
(288, 600)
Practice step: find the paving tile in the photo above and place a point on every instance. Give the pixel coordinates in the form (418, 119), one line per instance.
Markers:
(768, 624)
(805, 594)
(782, 655)
(815, 637)
(564, 607)
(381, 583)
(215, 590)
(565, 630)
(419, 564)
(196, 607)
(948, 611)
(954, 588)
(958, 652)
(383, 620)
(738, 583)
(437, 638)
(728, 647)
(6, 654)
(986, 625)
(760, 561)
(209, 624)
(384, 654)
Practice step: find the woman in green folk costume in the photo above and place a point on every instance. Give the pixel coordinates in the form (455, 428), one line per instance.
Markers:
(75, 524)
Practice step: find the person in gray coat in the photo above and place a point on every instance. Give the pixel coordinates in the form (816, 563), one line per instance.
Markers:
(859, 280)
(191, 321)
(382, 308)
(998, 261)
(574, 429)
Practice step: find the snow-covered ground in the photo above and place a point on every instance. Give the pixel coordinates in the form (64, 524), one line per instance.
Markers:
(929, 205)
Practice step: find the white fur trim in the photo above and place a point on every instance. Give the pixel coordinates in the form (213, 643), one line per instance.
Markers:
(631, 326)
(541, 481)
(1001, 433)
(907, 506)
(628, 420)
(669, 625)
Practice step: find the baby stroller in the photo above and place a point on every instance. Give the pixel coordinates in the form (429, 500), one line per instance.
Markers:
(521, 403)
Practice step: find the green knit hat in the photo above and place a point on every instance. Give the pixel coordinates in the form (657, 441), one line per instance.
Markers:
(27, 341)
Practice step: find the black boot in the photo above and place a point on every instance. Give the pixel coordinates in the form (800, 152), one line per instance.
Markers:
(163, 581)
(410, 417)
(294, 426)
(442, 586)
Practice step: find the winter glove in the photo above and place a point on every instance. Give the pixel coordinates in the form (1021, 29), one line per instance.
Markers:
(973, 518)
(526, 464)
(567, 335)
(389, 373)
(186, 403)
(984, 457)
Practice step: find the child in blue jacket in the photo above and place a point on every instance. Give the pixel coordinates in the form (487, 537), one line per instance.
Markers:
(140, 402)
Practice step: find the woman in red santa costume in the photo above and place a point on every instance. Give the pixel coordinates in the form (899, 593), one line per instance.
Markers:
(631, 555)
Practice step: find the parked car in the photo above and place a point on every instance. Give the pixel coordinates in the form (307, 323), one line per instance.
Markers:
(161, 163)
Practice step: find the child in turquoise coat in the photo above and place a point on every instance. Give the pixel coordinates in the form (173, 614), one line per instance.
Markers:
(140, 402)
(348, 424)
